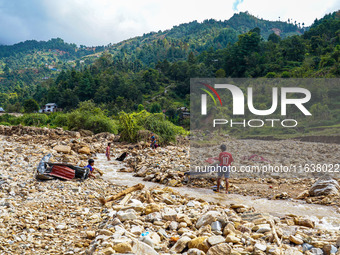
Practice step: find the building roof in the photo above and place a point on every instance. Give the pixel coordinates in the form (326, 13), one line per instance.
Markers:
(50, 104)
(2, 109)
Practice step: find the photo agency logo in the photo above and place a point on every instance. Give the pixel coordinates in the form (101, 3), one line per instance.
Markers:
(288, 96)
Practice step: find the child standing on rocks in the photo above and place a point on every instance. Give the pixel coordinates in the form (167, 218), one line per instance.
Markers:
(225, 159)
(108, 152)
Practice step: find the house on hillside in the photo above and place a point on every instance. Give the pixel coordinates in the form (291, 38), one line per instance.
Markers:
(2, 110)
(50, 107)
(184, 113)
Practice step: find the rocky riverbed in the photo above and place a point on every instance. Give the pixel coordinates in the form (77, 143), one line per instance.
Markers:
(66, 217)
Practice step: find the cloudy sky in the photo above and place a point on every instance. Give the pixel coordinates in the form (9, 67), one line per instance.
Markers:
(100, 22)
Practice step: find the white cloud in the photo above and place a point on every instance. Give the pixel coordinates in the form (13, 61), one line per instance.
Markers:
(107, 21)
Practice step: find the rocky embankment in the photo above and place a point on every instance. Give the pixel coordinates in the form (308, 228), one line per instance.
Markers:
(66, 217)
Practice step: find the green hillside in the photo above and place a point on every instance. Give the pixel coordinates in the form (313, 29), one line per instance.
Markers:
(154, 70)
(27, 64)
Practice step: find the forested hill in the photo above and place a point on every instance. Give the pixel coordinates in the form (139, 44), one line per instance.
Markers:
(176, 43)
(173, 44)
(155, 71)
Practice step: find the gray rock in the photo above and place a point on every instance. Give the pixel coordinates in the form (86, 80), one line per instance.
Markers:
(147, 240)
(140, 248)
(316, 251)
(169, 214)
(127, 215)
(216, 226)
(190, 204)
(155, 216)
(207, 219)
(181, 244)
(137, 230)
(194, 251)
(219, 249)
(329, 249)
(173, 225)
(306, 246)
(260, 246)
(325, 186)
(213, 240)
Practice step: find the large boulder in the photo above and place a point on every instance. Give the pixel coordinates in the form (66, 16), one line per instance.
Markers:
(62, 149)
(325, 186)
(84, 150)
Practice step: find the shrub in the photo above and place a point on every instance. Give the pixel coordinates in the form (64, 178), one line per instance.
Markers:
(12, 120)
(128, 127)
(59, 120)
(130, 124)
(90, 117)
(34, 119)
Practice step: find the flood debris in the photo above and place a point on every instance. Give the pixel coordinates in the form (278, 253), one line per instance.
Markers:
(122, 193)
(65, 217)
(47, 170)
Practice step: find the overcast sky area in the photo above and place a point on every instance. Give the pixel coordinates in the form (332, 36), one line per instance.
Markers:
(101, 22)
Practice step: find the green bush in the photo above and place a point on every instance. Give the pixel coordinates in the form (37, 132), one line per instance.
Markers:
(34, 119)
(157, 123)
(59, 120)
(5, 124)
(12, 120)
(128, 126)
(98, 124)
(90, 117)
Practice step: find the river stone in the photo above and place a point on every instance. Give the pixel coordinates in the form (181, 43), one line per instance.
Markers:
(85, 150)
(260, 246)
(137, 230)
(62, 149)
(147, 240)
(199, 243)
(304, 222)
(180, 244)
(292, 251)
(232, 239)
(105, 232)
(122, 248)
(329, 249)
(216, 226)
(155, 216)
(108, 251)
(140, 248)
(219, 249)
(150, 208)
(206, 219)
(169, 214)
(306, 247)
(316, 251)
(263, 228)
(127, 215)
(324, 187)
(295, 240)
(195, 251)
(173, 225)
(90, 234)
(213, 240)
(338, 242)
